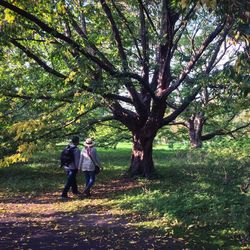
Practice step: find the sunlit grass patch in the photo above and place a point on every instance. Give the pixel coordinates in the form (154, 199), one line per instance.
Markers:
(30, 178)
(194, 195)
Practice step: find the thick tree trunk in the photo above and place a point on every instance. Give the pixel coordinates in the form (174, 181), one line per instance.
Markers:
(195, 125)
(195, 139)
(141, 156)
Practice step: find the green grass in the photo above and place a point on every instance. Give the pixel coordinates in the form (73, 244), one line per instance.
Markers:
(194, 196)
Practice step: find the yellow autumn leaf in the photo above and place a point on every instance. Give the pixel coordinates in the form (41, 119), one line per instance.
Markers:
(13, 159)
(9, 17)
(81, 110)
(71, 76)
(61, 8)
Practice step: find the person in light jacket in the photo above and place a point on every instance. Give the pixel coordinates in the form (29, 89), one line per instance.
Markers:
(87, 162)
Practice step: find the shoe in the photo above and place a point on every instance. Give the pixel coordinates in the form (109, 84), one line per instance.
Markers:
(87, 193)
(65, 198)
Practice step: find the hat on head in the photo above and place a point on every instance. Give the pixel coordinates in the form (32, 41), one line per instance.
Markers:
(89, 142)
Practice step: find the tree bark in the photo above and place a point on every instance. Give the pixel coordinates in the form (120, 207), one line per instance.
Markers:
(141, 156)
(147, 110)
(195, 126)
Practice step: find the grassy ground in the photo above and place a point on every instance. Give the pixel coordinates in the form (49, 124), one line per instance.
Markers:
(194, 202)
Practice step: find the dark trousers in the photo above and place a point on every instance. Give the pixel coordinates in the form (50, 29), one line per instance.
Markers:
(90, 179)
(71, 182)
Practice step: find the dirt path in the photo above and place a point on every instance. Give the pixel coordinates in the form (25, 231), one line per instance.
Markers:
(44, 222)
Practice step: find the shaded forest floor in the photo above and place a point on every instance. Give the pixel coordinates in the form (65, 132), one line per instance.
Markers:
(45, 222)
(193, 201)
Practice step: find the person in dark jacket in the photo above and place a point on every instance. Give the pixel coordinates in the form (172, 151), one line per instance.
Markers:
(71, 169)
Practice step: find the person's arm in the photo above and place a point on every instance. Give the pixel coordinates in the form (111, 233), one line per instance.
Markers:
(76, 157)
(80, 161)
(96, 158)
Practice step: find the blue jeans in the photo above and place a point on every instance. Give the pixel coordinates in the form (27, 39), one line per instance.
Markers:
(71, 182)
(90, 179)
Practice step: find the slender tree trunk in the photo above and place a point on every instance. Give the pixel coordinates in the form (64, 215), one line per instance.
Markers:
(195, 125)
(141, 156)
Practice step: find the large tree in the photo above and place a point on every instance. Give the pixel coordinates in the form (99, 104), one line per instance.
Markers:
(114, 59)
(218, 108)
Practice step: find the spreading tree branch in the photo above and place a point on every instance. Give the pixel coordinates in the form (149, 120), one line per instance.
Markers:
(211, 64)
(125, 116)
(193, 60)
(223, 132)
(41, 97)
(181, 108)
(148, 16)
(68, 123)
(137, 102)
(174, 123)
(184, 20)
(69, 41)
(37, 59)
(145, 44)
(116, 34)
(79, 48)
(84, 36)
(129, 29)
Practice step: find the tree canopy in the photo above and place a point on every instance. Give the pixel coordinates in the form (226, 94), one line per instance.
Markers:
(67, 65)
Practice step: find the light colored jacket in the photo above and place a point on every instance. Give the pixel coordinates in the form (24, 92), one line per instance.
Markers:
(85, 163)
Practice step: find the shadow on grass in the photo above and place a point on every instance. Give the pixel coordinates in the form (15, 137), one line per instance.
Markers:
(29, 179)
(42, 173)
(194, 198)
(199, 198)
(45, 223)
(83, 231)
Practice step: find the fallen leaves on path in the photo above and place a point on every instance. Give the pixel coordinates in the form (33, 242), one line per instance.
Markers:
(45, 222)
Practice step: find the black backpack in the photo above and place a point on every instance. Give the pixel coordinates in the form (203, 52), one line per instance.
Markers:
(67, 156)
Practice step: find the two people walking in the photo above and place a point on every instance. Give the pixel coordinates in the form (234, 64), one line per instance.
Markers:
(84, 161)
